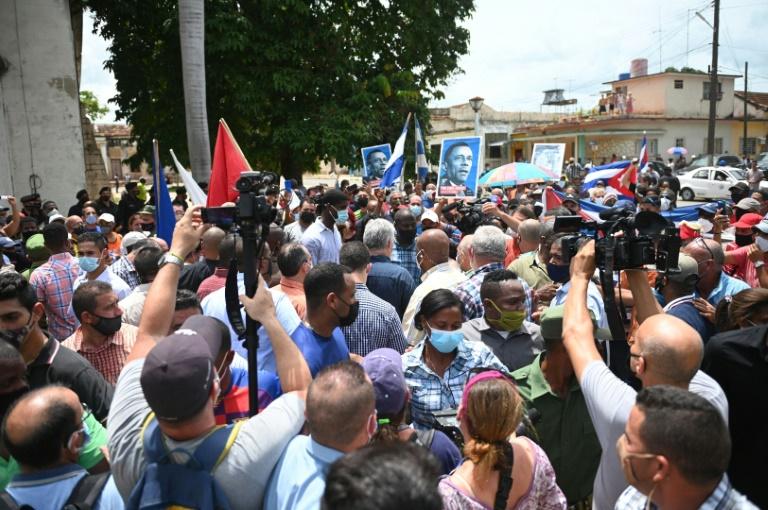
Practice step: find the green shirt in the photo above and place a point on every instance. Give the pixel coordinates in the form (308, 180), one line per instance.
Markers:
(89, 457)
(565, 431)
(528, 267)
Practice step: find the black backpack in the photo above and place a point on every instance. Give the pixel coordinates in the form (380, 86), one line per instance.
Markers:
(82, 497)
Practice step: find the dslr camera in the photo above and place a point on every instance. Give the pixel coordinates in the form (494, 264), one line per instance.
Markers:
(253, 205)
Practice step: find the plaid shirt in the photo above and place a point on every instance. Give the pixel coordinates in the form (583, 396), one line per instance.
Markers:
(377, 325)
(406, 257)
(108, 358)
(53, 283)
(430, 392)
(123, 268)
(724, 497)
(469, 292)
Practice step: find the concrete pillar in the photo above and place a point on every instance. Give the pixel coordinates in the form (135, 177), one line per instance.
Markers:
(581, 148)
(40, 130)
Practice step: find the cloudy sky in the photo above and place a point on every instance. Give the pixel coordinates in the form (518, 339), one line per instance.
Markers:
(518, 49)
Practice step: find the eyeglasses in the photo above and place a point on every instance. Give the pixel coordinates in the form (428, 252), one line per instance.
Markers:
(704, 243)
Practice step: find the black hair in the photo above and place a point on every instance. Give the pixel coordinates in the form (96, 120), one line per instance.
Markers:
(686, 429)
(334, 197)
(491, 285)
(44, 436)
(321, 280)
(130, 185)
(290, 258)
(146, 261)
(455, 146)
(526, 211)
(84, 298)
(141, 243)
(186, 299)
(55, 236)
(354, 255)
(383, 476)
(15, 286)
(104, 188)
(93, 237)
(558, 211)
(81, 193)
(437, 300)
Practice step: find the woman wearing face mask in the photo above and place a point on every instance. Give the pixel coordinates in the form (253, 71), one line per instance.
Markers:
(438, 367)
(745, 258)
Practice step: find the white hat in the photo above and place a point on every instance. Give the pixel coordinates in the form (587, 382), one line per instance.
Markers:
(56, 217)
(430, 215)
(107, 217)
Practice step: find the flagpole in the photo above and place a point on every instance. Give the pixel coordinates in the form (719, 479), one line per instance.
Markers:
(416, 147)
(402, 174)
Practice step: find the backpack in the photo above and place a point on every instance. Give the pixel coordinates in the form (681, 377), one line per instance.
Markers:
(191, 485)
(82, 497)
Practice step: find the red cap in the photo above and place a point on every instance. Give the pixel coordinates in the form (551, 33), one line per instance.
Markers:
(748, 220)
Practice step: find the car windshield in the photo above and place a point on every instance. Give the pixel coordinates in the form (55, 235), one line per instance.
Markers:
(739, 174)
(763, 158)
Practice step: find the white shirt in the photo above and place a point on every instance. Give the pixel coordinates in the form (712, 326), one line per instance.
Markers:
(118, 284)
(133, 305)
(322, 242)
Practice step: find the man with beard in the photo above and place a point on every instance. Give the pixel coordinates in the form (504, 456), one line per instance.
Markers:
(456, 168)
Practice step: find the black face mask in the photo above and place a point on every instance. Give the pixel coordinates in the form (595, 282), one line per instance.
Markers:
(147, 227)
(307, 217)
(406, 237)
(26, 235)
(350, 318)
(7, 399)
(108, 326)
(744, 240)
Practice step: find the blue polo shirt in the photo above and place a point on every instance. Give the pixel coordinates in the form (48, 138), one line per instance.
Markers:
(320, 351)
(391, 282)
(726, 286)
(51, 488)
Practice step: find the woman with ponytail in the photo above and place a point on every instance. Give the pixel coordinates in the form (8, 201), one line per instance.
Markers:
(501, 471)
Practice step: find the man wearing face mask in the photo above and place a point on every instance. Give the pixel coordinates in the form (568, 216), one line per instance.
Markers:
(94, 263)
(404, 253)
(293, 232)
(47, 362)
(322, 238)
(503, 327)
(106, 224)
(331, 305)
(674, 453)
(745, 258)
(46, 431)
(102, 337)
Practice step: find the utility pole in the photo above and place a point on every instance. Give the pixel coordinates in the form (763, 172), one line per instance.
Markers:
(713, 88)
(744, 138)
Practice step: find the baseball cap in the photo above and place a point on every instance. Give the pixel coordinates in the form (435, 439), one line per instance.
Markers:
(147, 209)
(739, 186)
(385, 368)
(571, 198)
(748, 220)
(748, 204)
(688, 271)
(430, 215)
(132, 238)
(551, 322)
(212, 330)
(709, 208)
(36, 249)
(689, 230)
(763, 225)
(177, 376)
(56, 217)
(107, 217)
(653, 200)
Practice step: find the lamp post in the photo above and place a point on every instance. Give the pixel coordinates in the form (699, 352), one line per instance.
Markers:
(476, 103)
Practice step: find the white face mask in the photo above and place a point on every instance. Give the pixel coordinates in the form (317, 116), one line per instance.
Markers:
(762, 244)
(665, 203)
(706, 225)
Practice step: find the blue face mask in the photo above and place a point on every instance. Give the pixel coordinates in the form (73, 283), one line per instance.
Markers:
(342, 217)
(445, 341)
(558, 274)
(88, 264)
(416, 210)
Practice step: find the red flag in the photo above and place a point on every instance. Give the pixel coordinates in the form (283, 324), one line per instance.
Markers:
(228, 163)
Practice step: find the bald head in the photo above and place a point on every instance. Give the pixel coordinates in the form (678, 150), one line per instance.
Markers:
(462, 252)
(671, 348)
(435, 245)
(211, 240)
(698, 250)
(72, 223)
(529, 231)
(38, 428)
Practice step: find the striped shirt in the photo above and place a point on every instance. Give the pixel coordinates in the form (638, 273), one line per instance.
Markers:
(724, 497)
(109, 358)
(469, 292)
(123, 268)
(53, 283)
(377, 325)
(406, 257)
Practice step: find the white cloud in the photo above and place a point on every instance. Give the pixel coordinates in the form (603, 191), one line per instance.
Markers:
(93, 76)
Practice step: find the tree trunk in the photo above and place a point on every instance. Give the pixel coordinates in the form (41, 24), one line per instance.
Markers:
(192, 33)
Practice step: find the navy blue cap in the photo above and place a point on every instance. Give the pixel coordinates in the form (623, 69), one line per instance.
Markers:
(709, 208)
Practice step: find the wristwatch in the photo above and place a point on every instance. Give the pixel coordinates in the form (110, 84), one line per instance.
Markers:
(759, 264)
(171, 258)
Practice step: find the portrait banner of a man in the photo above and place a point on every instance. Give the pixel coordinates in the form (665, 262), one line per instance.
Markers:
(460, 161)
(375, 160)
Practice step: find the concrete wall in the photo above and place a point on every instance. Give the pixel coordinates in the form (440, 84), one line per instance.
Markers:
(40, 128)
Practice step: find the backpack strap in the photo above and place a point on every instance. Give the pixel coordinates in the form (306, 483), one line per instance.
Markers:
(424, 437)
(7, 502)
(212, 451)
(86, 492)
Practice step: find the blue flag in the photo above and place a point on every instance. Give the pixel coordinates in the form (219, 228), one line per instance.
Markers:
(422, 167)
(165, 220)
(394, 168)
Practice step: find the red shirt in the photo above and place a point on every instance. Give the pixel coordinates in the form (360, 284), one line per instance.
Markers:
(744, 268)
(213, 283)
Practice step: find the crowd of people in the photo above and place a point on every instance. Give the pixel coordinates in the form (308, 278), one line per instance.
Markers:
(413, 352)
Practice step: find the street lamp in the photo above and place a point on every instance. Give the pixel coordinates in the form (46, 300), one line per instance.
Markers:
(476, 103)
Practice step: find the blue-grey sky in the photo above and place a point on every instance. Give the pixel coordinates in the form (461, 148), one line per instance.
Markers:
(518, 49)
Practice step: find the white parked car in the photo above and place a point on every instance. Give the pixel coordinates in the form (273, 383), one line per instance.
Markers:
(710, 182)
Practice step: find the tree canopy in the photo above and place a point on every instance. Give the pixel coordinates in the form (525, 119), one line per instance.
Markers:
(296, 80)
(93, 108)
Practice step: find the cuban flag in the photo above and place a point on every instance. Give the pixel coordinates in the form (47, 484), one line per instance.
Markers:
(394, 168)
(616, 176)
(422, 167)
(165, 219)
(643, 159)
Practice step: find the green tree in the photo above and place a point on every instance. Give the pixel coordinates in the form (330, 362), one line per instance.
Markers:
(298, 81)
(90, 103)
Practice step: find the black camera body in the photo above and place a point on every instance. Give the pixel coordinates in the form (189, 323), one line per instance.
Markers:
(253, 205)
(471, 215)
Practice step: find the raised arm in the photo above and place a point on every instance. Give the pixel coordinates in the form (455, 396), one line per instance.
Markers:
(161, 298)
(12, 227)
(578, 332)
(645, 303)
(292, 368)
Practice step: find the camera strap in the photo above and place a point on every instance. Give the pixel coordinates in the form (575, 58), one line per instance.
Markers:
(232, 299)
(615, 322)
